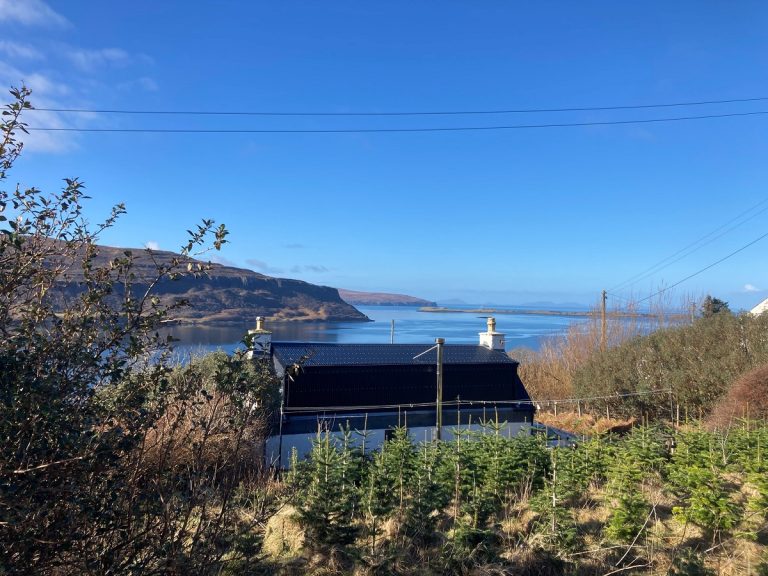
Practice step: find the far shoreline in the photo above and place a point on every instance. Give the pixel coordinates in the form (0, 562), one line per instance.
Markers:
(524, 312)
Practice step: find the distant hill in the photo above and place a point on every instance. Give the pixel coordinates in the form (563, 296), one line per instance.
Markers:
(381, 299)
(226, 295)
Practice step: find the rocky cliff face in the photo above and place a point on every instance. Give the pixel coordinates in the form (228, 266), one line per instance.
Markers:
(225, 294)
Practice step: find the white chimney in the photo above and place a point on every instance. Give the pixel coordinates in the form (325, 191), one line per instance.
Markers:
(492, 339)
(261, 340)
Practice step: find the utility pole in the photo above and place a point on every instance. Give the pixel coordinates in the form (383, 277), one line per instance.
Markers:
(392, 332)
(439, 342)
(602, 321)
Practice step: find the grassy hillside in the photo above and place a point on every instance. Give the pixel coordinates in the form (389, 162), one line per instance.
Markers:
(381, 299)
(222, 295)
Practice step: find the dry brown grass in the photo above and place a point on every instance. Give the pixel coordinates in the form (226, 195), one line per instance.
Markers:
(206, 433)
(548, 373)
(283, 535)
(747, 398)
(586, 424)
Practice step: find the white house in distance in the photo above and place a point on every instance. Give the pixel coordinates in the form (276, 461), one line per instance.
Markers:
(760, 308)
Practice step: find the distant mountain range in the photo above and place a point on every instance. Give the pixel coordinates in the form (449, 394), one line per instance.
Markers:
(225, 295)
(381, 299)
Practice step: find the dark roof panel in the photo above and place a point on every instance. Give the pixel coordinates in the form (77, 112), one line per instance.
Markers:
(323, 354)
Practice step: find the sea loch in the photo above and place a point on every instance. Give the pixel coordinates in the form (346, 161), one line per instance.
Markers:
(410, 327)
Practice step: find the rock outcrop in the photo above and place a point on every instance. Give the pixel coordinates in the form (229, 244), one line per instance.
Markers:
(223, 294)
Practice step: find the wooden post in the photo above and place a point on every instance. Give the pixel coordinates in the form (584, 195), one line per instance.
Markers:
(554, 493)
(603, 323)
(458, 413)
(439, 342)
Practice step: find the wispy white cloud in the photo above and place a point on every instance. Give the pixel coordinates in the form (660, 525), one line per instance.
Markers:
(46, 93)
(152, 245)
(44, 86)
(219, 259)
(262, 266)
(31, 13)
(18, 50)
(60, 74)
(144, 83)
(50, 142)
(316, 268)
(89, 60)
(751, 288)
(639, 133)
(50, 91)
(148, 84)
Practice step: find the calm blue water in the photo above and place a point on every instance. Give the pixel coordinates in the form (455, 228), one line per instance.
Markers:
(411, 327)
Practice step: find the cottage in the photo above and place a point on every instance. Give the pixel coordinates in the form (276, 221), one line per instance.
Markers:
(373, 388)
(760, 308)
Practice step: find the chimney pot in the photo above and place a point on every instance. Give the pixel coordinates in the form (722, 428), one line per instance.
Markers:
(492, 339)
(261, 340)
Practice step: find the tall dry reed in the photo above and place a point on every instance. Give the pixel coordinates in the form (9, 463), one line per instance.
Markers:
(548, 372)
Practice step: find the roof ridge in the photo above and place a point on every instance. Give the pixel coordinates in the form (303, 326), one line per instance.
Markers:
(386, 344)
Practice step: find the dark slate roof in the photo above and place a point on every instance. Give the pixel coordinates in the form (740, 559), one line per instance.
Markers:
(323, 354)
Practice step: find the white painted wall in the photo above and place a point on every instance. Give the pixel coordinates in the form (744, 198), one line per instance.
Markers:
(492, 340)
(760, 308)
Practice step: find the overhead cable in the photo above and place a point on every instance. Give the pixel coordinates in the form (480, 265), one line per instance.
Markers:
(723, 259)
(465, 403)
(406, 113)
(694, 246)
(371, 130)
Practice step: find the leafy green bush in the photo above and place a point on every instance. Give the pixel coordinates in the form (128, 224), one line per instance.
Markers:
(112, 460)
(696, 363)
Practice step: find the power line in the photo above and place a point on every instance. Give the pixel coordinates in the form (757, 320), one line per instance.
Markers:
(419, 113)
(370, 130)
(693, 246)
(755, 241)
(617, 296)
(313, 409)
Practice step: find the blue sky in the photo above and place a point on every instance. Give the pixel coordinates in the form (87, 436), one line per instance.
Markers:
(508, 216)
